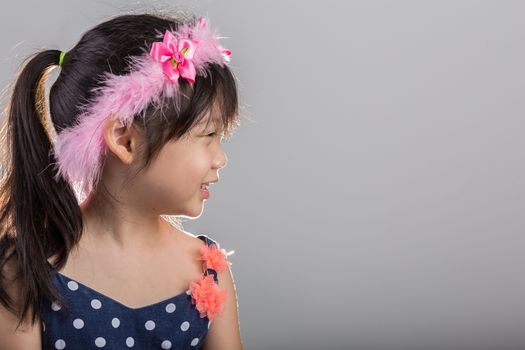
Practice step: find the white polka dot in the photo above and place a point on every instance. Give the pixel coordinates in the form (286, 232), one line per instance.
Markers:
(115, 322)
(100, 342)
(60, 344)
(130, 342)
(209, 324)
(55, 306)
(166, 344)
(194, 342)
(72, 285)
(185, 326)
(96, 304)
(171, 308)
(188, 292)
(78, 323)
(150, 325)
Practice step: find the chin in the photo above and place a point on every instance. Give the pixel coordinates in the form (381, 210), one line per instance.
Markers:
(192, 217)
(195, 212)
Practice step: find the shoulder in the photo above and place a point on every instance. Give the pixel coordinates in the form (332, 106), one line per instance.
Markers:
(27, 336)
(198, 239)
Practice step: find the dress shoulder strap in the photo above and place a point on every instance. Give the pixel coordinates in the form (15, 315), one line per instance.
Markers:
(209, 242)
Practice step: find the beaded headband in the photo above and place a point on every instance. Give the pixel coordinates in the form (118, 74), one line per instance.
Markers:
(185, 53)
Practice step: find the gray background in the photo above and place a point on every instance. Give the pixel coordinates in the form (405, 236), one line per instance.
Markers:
(375, 196)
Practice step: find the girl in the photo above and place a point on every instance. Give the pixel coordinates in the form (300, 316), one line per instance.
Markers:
(133, 133)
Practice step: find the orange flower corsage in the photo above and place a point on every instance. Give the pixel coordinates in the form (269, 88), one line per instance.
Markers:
(207, 297)
(205, 293)
(214, 257)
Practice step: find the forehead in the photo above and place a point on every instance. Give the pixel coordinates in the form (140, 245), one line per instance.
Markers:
(211, 120)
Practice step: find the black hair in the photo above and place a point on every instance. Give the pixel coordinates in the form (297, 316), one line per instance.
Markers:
(40, 217)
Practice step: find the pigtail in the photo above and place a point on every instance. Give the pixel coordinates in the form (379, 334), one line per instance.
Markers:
(39, 216)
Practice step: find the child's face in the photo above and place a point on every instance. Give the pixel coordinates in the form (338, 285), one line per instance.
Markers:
(172, 182)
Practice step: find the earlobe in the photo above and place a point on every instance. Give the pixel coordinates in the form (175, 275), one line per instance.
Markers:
(120, 140)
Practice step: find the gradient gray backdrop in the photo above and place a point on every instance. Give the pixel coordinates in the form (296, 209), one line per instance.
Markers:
(375, 197)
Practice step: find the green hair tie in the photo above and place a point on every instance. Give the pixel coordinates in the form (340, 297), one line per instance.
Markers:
(61, 60)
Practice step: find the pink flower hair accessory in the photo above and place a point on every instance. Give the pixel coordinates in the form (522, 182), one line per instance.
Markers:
(80, 149)
(176, 57)
(207, 297)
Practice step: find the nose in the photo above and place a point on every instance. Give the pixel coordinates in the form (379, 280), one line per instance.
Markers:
(221, 159)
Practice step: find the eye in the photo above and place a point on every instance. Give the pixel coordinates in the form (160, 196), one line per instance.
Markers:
(212, 134)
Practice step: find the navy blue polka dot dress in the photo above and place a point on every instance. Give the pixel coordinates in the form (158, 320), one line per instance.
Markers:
(96, 321)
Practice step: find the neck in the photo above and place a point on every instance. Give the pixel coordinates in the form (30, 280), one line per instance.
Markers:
(126, 227)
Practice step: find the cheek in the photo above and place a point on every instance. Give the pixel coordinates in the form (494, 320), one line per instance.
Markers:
(166, 185)
(178, 176)
(170, 174)
(177, 172)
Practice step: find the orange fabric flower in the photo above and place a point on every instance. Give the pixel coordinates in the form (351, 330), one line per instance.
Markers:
(215, 258)
(207, 297)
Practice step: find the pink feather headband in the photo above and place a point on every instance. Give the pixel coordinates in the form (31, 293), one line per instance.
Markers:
(80, 149)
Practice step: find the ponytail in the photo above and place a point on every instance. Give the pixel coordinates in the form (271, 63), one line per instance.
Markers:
(39, 216)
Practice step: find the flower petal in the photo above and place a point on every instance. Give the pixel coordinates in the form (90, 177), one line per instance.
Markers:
(171, 72)
(170, 41)
(160, 52)
(187, 71)
(190, 47)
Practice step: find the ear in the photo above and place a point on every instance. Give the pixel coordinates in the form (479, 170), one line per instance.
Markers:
(122, 141)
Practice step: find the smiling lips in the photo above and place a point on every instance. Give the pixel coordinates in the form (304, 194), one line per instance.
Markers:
(205, 192)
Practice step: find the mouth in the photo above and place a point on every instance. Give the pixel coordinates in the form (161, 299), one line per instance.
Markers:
(205, 192)
(212, 182)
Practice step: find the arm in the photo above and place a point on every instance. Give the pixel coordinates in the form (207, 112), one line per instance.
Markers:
(224, 333)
